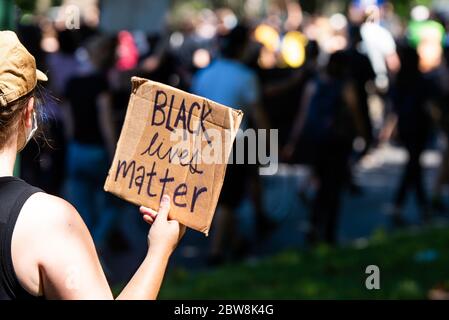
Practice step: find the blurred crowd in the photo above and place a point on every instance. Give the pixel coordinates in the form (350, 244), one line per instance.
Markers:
(336, 86)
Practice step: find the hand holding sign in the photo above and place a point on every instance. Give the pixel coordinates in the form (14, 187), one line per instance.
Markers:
(164, 234)
(173, 143)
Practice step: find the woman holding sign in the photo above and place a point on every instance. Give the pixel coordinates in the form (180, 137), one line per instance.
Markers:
(46, 250)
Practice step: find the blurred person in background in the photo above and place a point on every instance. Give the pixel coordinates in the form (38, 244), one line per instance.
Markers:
(42, 164)
(46, 251)
(428, 36)
(438, 205)
(31, 36)
(362, 74)
(63, 63)
(391, 20)
(228, 81)
(380, 47)
(410, 96)
(330, 120)
(92, 145)
(302, 152)
(440, 79)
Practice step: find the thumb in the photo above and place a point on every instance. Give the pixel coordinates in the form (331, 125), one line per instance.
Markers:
(164, 208)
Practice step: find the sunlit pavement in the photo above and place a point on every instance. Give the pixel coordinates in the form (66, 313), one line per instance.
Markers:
(362, 215)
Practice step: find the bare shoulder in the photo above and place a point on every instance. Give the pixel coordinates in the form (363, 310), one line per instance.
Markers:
(45, 211)
(44, 230)
(49, 202)
(46, 220)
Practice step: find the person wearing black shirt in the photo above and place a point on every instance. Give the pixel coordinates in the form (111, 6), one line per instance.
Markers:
(93, 140)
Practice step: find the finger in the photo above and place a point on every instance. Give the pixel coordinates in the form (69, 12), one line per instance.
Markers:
(148, 211)
(149, 216)
(148, 219)
(164, 208)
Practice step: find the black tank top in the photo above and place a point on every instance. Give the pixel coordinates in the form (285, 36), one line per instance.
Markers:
(14, 193)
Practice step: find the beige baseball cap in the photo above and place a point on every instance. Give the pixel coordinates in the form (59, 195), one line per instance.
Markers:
(18, 73)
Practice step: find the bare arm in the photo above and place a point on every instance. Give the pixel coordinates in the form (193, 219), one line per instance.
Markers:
(148, 279)
(146, 282)
(54, 255)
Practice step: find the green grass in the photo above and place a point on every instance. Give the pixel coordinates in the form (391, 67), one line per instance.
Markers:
(326, 273)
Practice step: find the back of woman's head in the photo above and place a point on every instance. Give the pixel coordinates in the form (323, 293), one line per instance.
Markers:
(18, 82)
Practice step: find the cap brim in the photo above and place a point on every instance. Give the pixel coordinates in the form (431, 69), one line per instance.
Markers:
(41, 76)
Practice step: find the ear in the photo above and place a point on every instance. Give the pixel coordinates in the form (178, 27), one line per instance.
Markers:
(28, 113)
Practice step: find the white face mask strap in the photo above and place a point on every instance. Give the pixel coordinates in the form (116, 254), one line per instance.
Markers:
(33, 130)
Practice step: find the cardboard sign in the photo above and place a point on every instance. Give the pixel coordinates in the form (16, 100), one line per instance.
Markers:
(174, 143)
